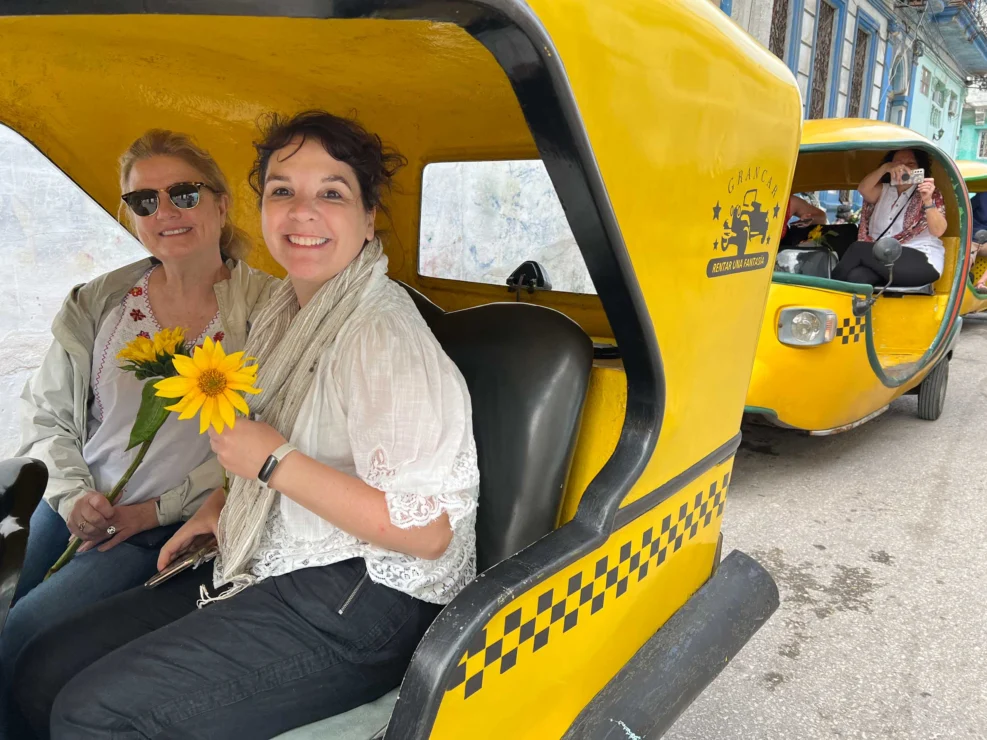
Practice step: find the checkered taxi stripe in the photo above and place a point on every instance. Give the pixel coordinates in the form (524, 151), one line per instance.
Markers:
(529, 628)
(978, 268)
(852, 329)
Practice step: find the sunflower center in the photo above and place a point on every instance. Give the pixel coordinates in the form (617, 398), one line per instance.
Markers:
(212, 382)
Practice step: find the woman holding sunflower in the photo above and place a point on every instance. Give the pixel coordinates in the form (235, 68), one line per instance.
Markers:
(350, 516)
(80, 405)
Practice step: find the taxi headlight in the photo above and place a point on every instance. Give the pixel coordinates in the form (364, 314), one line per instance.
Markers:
(806, 327)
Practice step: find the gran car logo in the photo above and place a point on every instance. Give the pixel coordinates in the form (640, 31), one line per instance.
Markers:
(744, 224)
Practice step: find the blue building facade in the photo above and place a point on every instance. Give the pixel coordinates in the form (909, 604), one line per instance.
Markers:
(905, 61)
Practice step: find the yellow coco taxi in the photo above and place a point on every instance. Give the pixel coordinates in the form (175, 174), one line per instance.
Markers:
(833, 355)
(592, 135)
(975, 175)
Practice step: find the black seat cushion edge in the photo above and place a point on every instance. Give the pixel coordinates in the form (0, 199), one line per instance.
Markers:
(527, 368)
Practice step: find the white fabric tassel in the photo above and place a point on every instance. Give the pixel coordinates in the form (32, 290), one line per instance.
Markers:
(239, 583)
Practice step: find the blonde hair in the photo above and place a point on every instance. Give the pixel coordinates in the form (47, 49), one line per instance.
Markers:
(233, 241)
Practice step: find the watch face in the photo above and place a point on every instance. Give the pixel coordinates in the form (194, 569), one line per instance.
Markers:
(265, 472)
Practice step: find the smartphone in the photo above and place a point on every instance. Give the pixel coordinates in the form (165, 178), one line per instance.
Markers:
(190, 560)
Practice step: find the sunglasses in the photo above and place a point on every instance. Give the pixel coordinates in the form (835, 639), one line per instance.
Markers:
(183, 195)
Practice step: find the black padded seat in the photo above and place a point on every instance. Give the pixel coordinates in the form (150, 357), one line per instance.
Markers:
(918, 290)
(527, 368)
(22, 484)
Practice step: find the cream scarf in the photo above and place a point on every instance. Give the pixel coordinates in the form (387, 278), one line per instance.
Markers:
(287, 343)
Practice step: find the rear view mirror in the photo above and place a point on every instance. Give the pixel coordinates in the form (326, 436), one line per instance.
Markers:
(887, 250)
(980, 237)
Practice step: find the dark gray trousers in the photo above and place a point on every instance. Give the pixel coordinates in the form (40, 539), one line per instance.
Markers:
(148, 664)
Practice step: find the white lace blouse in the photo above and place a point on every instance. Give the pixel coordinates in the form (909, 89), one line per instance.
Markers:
(387, 405)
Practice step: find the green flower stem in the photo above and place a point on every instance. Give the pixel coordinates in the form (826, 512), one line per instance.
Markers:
(112, 496)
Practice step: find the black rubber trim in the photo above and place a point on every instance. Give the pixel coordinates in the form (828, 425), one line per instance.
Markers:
(657, 684)
(633, 510)
(516, 38)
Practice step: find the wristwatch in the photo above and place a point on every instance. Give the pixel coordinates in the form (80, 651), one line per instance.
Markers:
(267, 470)
(931, 205)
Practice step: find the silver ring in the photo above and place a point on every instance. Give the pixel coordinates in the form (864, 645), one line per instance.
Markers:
(111, 530)
(82, 526)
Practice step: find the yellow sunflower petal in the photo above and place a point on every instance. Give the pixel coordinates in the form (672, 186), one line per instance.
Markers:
(205, 416)
(241, 377)
(201, 359)
(226, 411)
(179, 406)
(174, 387)
(217, 420)
(231, 363)
(237, 401)
(194, 404)
(186, 366)
(218, 354)
(243, 388)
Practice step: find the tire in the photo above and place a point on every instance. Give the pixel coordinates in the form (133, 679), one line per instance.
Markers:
(932, 392)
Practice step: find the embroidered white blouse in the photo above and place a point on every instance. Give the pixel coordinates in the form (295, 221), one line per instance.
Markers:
(178, 447)
(386, 405)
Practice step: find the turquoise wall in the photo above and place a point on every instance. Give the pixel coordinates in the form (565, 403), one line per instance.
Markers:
(920, 108)
(969, 138)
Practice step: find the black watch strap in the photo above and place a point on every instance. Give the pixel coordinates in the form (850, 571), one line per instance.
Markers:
(267, 469)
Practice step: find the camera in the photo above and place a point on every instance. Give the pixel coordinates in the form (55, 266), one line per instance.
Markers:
(910, 178)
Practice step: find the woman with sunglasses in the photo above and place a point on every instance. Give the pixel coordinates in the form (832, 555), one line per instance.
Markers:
(336, 549)
(80, 406)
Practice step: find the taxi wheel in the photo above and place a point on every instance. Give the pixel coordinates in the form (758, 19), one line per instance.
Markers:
(932, 392)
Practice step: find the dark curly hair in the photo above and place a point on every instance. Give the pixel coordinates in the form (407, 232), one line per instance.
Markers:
(344, 139)
(921, 157)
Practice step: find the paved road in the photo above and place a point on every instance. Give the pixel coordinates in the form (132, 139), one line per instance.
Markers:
(878, 541)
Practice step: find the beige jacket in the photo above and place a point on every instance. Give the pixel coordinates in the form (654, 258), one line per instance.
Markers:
(55, 401)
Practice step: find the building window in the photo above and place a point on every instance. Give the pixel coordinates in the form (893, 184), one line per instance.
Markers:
(926, 78)
(982, 149)
(979, 117)
(822, 60)
(899, 85)
(858, 74)
(935, 118)
(939, 93)
(780, 21)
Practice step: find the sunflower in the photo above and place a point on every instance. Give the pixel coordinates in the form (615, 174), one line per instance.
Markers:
(138, 350)
(169, 341)
(150, 357)
(815, 233)
(210, 383)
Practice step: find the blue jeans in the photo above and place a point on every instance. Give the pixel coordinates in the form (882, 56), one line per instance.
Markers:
(47, 537)
(87, 579)
(285, 652)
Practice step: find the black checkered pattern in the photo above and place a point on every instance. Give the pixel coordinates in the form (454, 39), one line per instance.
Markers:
(606, 579)
(851, 328)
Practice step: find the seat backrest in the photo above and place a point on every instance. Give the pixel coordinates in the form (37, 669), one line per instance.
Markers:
(527, 368)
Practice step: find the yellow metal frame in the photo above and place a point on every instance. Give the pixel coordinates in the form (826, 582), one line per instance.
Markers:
(639, 114)
(875, 357)
(975, 175)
